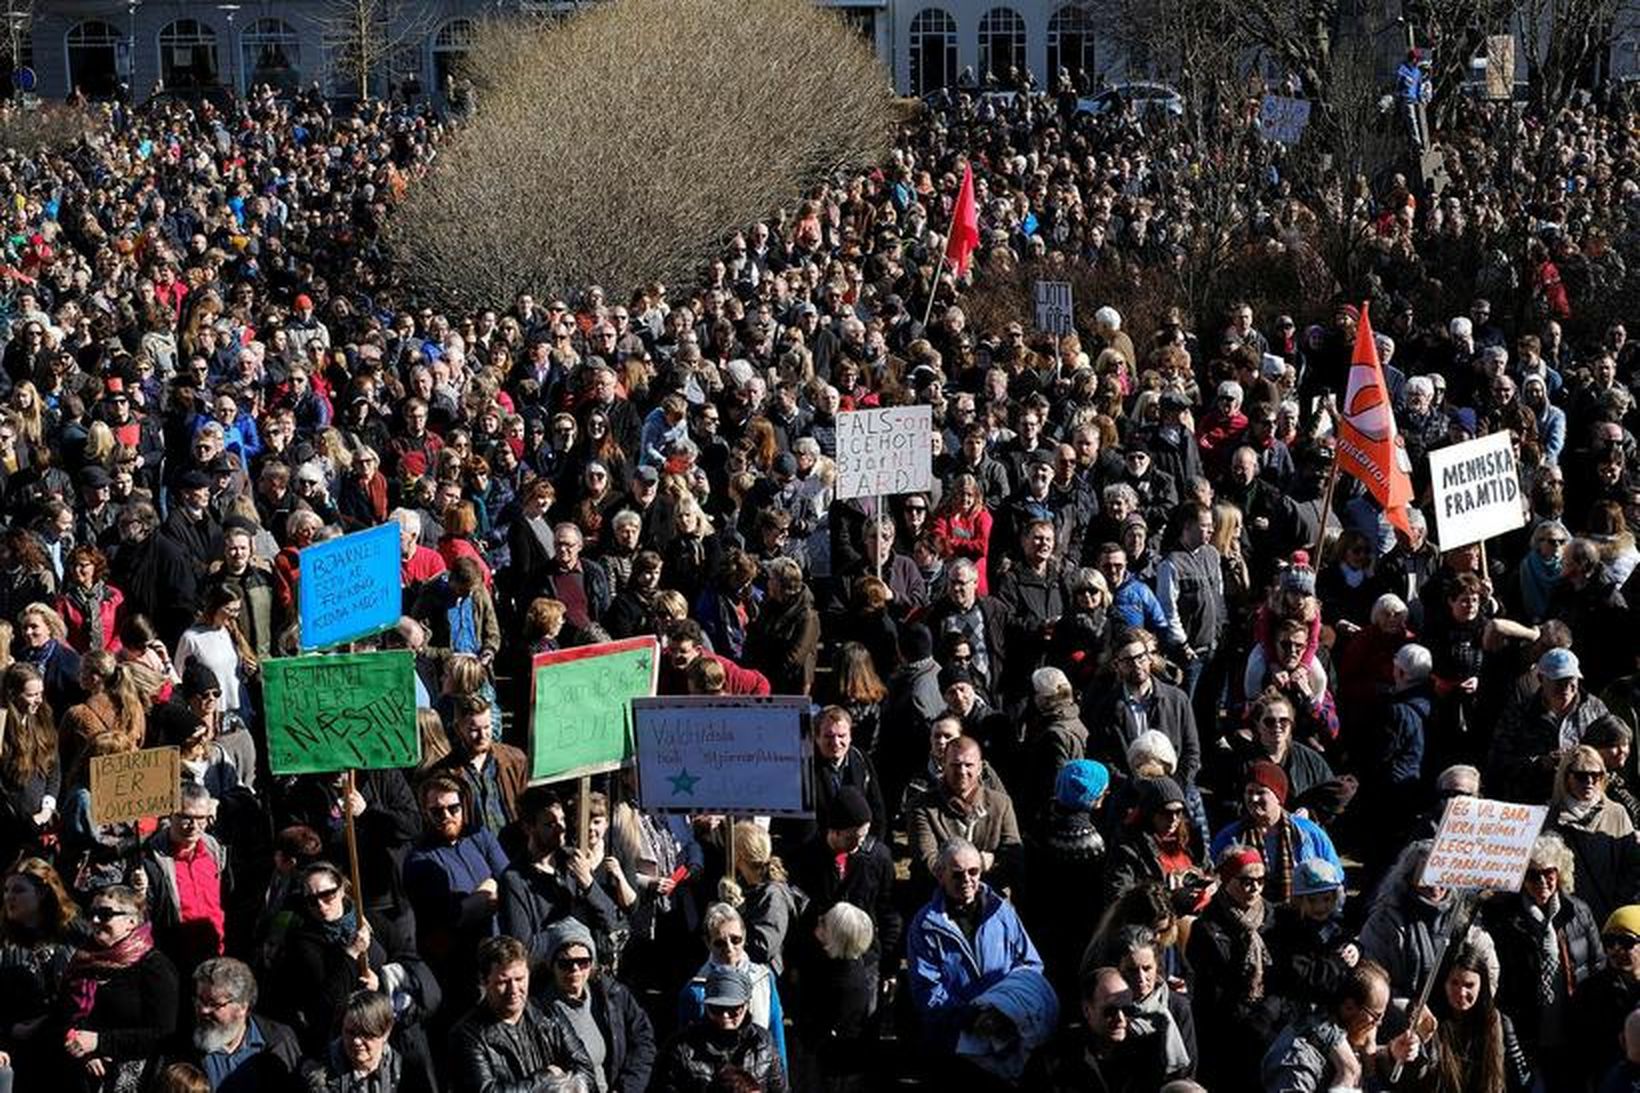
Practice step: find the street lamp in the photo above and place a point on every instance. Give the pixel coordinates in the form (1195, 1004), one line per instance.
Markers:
(131, 7)
(231, 10)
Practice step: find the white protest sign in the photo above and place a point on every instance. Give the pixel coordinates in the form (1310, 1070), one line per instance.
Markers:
(1055, 313)
(1283, 119)
(885, 451)
(724, 754)
(1483, 844)
(1477, 491)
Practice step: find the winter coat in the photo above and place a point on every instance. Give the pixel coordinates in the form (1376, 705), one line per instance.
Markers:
(693, 1058)
(629, 1037)
(1402, 934)
(1519, 948)
(1111, 727)
(867, 883)
(483, 1056)
(1526, 733)
(935, 818)
(532, 901)
(766, 1009)
(782, 642)
(1233, 1038)
(1057, 738)
(1607, 854)
(993, 616)
(948, 972)
(136, 1010)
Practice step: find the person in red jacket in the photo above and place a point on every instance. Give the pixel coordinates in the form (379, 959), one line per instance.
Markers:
(685, 644)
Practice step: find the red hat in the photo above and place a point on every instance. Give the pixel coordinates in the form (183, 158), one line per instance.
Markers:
(1233, 860)
(1271, 777)
(114, 385)
(1351, 310)
(304, 302)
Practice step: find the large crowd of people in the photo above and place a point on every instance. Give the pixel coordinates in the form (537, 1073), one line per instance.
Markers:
(1106, 723)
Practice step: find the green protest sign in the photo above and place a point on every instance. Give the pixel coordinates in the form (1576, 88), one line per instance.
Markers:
(581, 706)
(355, 711)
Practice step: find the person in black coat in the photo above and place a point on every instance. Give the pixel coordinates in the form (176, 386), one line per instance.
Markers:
(838, 766)
(118, 1002)
(1604, 1001)
(590, 1004)
(839, 1000)
(364, 1053)
(725, 1037)
(224, 992)
(156, 576)
(551, 881)
(845, 863)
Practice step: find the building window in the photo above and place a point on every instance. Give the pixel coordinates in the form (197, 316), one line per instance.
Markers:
(933, 51)
(271, 53)
(1071, 46)
(1002, 46)
(93, 58)
(451, 45)
(187, 55)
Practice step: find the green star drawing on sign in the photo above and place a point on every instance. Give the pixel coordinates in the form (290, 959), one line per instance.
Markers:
(683, 781)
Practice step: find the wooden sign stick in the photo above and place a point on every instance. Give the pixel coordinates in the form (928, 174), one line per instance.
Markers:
(353, 862)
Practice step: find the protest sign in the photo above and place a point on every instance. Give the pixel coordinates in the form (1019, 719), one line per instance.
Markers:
(1477, 491)
(1283, 119)
(1483, 844)
(581, 706)
(724, 754)
(1055, 312)
(343, 712)
(134, 784)
(349, 587)
(885, 451)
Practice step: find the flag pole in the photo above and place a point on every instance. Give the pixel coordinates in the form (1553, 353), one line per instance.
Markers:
(1326, 508)
(934, 289)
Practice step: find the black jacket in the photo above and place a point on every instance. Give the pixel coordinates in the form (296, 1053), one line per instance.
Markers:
(485, 1057)
(531, 901)
(994, 616)
(868, 885)
(159, 581)
(277, 1068)
(136, 1009)
(629, 1038)
(692, 1059)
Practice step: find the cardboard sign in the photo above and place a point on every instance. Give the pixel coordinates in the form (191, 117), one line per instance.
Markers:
(885, 451)
(581, 706)
(1477, 491)
(1483, 844)
(724, 754)
(1054, 308)
(355, 711)
(349, 587)
(135, 784)
(1283, 119)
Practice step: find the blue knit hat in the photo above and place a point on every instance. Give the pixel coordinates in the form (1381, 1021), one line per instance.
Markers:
(1314, 876)
(1081, 782)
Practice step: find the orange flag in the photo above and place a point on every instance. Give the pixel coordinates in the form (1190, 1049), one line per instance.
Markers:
(964, 224)
(1368, 445)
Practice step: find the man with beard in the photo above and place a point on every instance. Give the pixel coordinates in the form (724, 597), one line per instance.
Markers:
(240, 1052)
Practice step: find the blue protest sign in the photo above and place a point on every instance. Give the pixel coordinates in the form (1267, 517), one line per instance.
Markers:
(349, 587)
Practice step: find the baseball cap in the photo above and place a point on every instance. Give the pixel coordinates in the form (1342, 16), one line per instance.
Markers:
(726, 986)
(1559, 664)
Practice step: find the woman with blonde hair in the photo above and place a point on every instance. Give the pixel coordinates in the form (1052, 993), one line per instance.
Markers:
(768, 905)
(1597, 830)
(113, 704)
(27, 410)
(45, 647)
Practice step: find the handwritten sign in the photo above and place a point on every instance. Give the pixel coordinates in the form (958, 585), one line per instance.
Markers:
(1483, 844)
(1283, 119)
(1055, 312)
(581, 706)
(885, 451)
(349, 587)
(1477, 490)
(135, 784)
(724, 754)
(353, 711)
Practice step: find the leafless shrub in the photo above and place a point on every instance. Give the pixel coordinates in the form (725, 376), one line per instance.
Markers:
(41, 127)
(621, 145)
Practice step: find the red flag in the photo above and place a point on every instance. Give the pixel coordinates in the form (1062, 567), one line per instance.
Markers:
(964, 224)
(1368, 445)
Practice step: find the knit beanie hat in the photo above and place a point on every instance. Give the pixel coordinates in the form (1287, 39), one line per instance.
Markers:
(1299, 577)
(1080, 784)
(568, 931)
(1156, 794)
(1271, 777)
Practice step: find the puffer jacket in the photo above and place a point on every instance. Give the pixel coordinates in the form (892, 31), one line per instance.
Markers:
(483, 1055)
(1519, 949)
(695, 1056)
(947, 971)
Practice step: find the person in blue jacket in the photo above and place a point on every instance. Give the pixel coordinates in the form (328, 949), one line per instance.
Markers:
(725, 934)
(973, 969)
(1285, 839)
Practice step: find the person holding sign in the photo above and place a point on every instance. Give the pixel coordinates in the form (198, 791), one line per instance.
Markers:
(1550, 944)
(1340, 1048)
(553, 881)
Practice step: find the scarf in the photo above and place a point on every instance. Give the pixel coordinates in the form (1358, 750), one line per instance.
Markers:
(1160, 1017)
(1353, 578)
(1537, 582)
(39, 657)
(1279, 882)
(340, 931)
(88, 601)
(1251, 921)
(1542, 923)
(91, 968)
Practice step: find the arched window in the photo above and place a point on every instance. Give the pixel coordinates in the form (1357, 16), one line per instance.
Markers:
(933, 51)
(187, 55)
(1071, 46)
(1001, 45)
(451, 45)
(271, 53)
(93, 58)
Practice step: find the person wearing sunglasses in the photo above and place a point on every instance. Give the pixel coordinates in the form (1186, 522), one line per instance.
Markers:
(1598, 830)
(1549, 945)
(451, 878)
(1604, 1000)
(724, 1035)
(725, 934)
(601, 1013)
(1231, 965)
(507, 1041)
(119, 995)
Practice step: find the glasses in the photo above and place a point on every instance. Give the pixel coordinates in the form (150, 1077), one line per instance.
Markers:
(1620, 941)
(445, 810)
(1536, 874)
(190, 819)
(108, 914)
(729, 941)
(573, 963)
(725, 1011)
(1276, 722)
(1588, 775)
(324, 895)
(1250, 882)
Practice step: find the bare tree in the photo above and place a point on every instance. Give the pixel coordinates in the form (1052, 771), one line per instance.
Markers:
(623, 144)
(1567, 43)
(362, 37)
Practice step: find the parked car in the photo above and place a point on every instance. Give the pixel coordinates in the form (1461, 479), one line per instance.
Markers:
(1146, 98)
